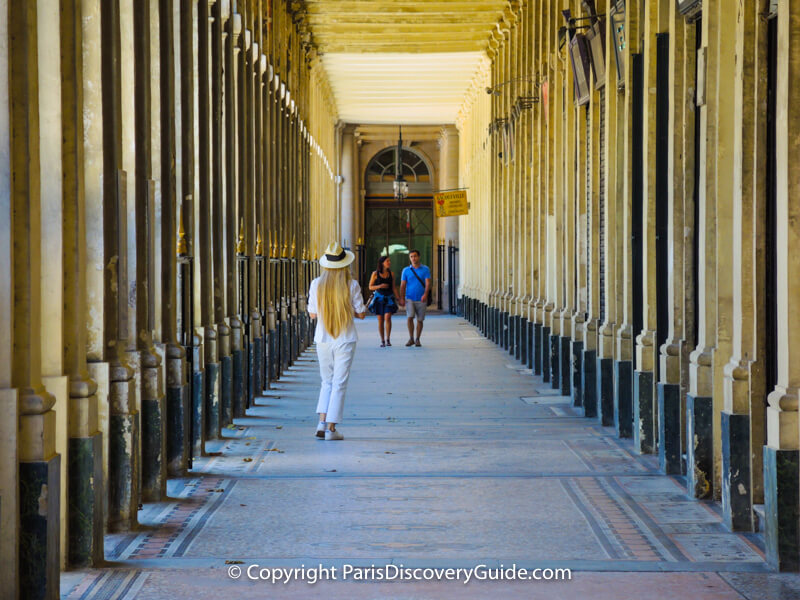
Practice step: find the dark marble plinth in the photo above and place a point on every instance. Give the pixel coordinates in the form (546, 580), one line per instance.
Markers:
(506, 330)
(737, 487)
(524, 331)
(644, 419)
(589, 383)
(86, 497)
(546, 354)
(576, 369)
(565, 369)
(198, 413)
(555, 362)
(538, 345)
(238, 383)
(529, 344)
(39, 533)
(623, 398)
(700, 450)
(123, 471)
(226, 391)
(212, 401)
(605, 391)
(781, 501)
(177, 430)
(154, 442)
(519, 334)
(251, 373)
(669, 428)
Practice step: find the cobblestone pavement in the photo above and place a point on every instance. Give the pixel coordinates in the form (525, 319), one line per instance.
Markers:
(454, 457)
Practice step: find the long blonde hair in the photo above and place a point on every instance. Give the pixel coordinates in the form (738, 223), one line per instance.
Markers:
(333, 295)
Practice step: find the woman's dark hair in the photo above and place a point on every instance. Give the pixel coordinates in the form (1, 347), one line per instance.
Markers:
(381, 260)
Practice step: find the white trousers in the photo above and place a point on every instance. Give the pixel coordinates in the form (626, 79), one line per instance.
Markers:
(334, 369)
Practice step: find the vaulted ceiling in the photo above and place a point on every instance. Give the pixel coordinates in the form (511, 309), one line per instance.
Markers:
(401, 61)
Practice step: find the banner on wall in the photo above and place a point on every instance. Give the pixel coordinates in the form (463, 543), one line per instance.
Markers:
(450, 204)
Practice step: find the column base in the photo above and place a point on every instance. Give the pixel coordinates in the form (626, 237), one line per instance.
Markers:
(511, 333)
(669, 428)
(154, 442)
(178, 415)
(644, 430)
(546, 354)
(623, 398)
(198, 419)
(538, 345)
(251, 373)
(212, 401)
(589, 383)
(781, 499)
(737, 485)
(700, 449)
(226, 391)
(123, 471)
(529, 345)
(565, 368)
(85, 511)
(605, 391)
(238, 383)
(39, 532)
(576, 369)
(522, 340)
(555, 362)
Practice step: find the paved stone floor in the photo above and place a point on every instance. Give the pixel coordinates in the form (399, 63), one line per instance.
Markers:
(454, 457)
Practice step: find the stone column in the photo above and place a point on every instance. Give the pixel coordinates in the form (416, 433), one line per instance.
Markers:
(9, 482)
(349, 187)
(680, 226)
(744, 384)
(170, 120)
(449, 180)
(84, 481)
(701, 406)
(781, 452)
(39, 465)
(123, 466)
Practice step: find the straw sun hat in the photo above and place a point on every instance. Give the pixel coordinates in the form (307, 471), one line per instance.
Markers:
(335, 257)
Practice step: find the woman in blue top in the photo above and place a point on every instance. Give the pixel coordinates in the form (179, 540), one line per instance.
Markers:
(384, 304)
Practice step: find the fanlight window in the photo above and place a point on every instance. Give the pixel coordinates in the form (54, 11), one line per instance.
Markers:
(381, 167)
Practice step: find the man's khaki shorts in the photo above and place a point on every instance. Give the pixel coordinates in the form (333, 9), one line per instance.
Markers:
(416, 308)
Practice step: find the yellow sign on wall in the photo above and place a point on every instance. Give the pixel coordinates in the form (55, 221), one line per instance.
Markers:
(450, 204)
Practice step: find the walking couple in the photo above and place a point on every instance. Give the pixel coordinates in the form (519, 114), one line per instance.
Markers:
(415, 290)
(334, 299)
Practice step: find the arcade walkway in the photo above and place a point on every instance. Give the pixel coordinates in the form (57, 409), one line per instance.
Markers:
(454, 456)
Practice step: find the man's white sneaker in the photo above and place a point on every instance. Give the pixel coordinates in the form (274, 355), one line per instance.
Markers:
(333, 436)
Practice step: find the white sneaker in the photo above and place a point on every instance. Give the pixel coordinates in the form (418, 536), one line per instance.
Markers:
(320, 430)
(333, 436)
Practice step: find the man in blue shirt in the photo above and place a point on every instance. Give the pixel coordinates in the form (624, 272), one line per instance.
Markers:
(415, 285)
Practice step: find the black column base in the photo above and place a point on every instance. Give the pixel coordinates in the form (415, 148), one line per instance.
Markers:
(737, 487)
(154, 469)
(565, 354)
(529, 345)
(511, 333)
(520, 326)
(644, 433)
(555, 362)
(623, 398)
(576, 392)
(605, 391)
(177, 431)
(589, 383)
(781, 500)
(252, 371)
(123, 471)
(238, 383)
(669, 428)
(86, 497)
(700, 450)
(212, 401)
(198, 418)
(546, 354)
(39, 533)
(226, 391)
(538, 345)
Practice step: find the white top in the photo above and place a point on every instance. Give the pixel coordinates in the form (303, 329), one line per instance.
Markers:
(321, 335)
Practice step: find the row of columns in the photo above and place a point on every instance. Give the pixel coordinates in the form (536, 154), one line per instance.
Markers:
(623, 248)
(165, 186)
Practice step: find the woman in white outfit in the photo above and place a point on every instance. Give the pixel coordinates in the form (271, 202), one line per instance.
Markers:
(334, 298)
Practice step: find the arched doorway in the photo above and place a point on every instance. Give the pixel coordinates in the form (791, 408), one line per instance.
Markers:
(392, 227)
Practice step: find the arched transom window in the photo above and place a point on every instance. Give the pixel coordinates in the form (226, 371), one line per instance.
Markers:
(381, 167)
